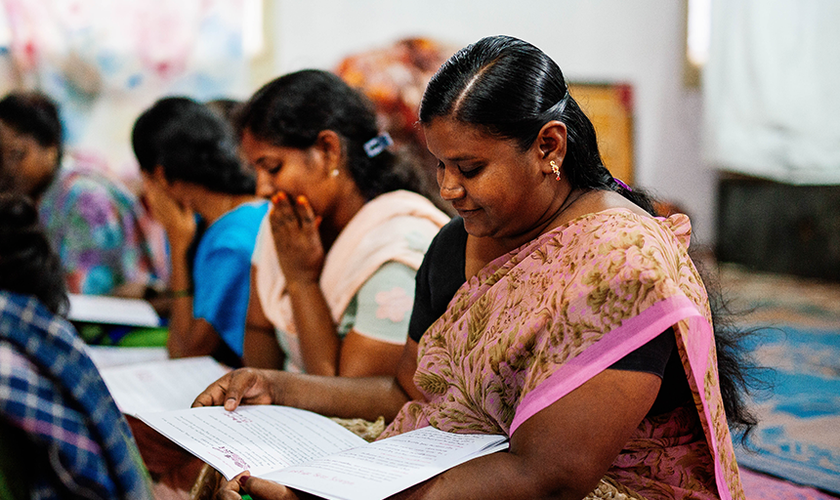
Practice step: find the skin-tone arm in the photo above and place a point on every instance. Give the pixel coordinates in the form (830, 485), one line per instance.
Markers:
(369, 397)
(187, 335)
(260, 349)
(301, 255)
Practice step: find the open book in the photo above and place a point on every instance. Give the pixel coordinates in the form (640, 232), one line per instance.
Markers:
(112, 310)
(312, 453)
(160, 385)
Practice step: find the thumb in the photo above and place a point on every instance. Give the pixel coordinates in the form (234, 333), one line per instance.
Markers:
(262, 488)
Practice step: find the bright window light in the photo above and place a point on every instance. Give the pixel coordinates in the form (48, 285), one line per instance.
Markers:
(699, 31)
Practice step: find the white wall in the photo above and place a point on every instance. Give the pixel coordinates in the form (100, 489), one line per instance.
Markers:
(639, 42)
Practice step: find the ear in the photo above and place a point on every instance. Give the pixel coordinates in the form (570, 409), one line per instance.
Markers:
(550, 144)
(328, 145)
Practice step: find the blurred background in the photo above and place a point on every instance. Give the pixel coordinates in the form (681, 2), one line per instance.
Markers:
(689, 92)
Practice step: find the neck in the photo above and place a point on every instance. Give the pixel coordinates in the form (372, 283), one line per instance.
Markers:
(346, 206)
(485, 250)
(212, 205)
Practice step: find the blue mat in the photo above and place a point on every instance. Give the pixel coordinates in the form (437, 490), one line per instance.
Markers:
(798, 437)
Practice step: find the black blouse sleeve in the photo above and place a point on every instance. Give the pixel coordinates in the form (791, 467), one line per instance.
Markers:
(439, 277)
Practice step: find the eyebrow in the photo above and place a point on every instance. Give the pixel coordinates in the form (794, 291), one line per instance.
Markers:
(462, 158)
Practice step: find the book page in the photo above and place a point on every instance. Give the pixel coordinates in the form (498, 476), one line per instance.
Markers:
(112, 310)
(386, 467)
(105, 356)
(260, 438)
(171, 384)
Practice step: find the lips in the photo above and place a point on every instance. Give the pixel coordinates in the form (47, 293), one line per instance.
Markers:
(466, 212)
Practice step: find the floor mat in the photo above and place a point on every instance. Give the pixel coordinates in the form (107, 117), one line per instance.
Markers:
(798, 437)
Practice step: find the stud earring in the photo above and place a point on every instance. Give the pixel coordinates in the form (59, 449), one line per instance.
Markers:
(334, 172)
(555, 169)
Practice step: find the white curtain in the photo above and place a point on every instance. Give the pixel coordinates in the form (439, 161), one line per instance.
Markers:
(772, 89)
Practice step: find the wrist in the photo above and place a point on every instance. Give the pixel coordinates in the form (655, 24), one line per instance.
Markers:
(302, 285)
(175, 294)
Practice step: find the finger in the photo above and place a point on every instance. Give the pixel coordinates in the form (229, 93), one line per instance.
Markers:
(230, 490)
(304, 211)
(214, 394)
(262, 488)
(282, 210)
(229, 390)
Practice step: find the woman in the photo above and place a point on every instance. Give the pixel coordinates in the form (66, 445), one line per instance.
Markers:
(334, 266)
(62, 434)
(190, 167)
(106, 240)
(562, 313)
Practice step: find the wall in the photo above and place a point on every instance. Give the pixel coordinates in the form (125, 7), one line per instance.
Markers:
(638, 42)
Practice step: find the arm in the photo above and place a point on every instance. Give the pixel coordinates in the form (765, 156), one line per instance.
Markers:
(187, 336)
(382, 307)
(294, 229)
(562, 451)
(368, 398)
(260, 349)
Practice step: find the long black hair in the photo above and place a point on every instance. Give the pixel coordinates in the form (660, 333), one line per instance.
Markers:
(510, 89)
(28, 264)
(293, 109)
(192, 144)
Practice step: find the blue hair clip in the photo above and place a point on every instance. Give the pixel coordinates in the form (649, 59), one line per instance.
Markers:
(376, 145)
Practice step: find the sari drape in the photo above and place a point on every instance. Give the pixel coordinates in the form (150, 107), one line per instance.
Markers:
(536, 323)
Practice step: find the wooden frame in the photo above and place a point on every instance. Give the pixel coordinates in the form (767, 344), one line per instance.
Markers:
(610, 108)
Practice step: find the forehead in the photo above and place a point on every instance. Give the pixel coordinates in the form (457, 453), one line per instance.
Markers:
(451, 139)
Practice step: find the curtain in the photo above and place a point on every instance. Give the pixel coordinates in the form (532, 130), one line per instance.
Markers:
(772, 89)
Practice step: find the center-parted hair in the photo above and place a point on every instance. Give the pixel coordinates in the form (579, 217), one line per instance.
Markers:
(510, 89)
(192, 144)
(293, 109)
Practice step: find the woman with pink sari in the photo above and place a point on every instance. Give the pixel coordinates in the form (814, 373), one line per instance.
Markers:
(556, 310)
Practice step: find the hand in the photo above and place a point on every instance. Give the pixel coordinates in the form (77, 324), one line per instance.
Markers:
(243, 386)
(258, 489)
(296, 238)
(178, 221)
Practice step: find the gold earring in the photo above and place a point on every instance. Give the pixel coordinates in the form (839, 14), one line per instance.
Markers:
(555, 169)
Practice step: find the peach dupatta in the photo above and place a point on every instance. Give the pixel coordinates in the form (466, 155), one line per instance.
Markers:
(396, 226)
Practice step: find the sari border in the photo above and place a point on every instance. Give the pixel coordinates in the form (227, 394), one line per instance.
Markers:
(632, 334)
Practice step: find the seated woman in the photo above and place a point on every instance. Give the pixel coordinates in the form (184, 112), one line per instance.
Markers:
(62, 434)
(334, 267)
(107, 242)
(189, 165)
(562, 313)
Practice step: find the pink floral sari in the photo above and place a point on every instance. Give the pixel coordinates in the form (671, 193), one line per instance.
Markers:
(535, 324)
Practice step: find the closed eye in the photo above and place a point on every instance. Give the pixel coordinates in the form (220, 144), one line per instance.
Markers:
(471, 170)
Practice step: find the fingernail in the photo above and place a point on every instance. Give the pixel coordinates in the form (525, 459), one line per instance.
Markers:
(243, 480)
(281, 196)
(318, 220)
(230, 404)
(302, 200)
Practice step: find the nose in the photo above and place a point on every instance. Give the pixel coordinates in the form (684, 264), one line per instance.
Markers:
(265, 184)
(450, 186)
